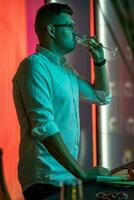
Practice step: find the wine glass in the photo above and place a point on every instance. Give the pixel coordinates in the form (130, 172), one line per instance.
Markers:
(87, 41)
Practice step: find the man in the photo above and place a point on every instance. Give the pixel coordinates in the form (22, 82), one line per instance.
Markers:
(46, 95)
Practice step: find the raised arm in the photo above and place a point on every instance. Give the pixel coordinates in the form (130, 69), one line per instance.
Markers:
(101, 76)
(98, 92)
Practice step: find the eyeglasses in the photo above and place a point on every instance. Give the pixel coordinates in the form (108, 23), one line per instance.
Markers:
(71, 26)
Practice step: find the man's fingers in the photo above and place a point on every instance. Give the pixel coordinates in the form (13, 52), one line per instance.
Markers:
(103, 171)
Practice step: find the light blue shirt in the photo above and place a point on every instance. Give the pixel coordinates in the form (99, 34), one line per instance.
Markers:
(46, 94)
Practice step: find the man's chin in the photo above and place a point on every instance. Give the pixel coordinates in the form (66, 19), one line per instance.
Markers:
(72, 48)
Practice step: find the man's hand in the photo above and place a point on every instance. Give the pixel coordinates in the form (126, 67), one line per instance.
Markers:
(96, 49)
(91, 174)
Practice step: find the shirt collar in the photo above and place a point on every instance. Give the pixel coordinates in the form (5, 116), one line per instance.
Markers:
(51, 56)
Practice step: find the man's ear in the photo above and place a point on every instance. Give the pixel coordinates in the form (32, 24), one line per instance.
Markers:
(51, 30)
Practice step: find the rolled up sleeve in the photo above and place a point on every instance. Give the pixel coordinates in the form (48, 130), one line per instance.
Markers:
(34, 82)
(103, 98)
(88, 93)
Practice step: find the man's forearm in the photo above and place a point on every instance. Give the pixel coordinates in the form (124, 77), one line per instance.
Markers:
(59, 151)
(101, 79)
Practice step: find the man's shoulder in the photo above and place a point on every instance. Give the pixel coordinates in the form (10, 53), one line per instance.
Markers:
(32, 64)
(33, 61)
(33, 58)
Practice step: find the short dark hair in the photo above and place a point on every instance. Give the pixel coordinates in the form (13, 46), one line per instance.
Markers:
(47, 12)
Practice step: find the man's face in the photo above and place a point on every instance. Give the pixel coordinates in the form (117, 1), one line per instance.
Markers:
(65, 36)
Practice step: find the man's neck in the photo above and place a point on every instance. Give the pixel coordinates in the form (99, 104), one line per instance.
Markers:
(54, 50)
